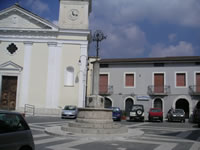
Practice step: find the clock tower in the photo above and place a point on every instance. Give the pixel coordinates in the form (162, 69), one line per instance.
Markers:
(74, 14)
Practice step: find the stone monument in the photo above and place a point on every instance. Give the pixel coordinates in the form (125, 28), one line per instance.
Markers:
(95, 119)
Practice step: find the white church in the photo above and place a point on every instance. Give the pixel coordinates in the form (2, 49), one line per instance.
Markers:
(43, 65)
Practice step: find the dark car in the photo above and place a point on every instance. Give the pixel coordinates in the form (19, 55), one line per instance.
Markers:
(15, 133)
(155, 114)
(116, 114)
(196, 116)
(176, 115)
(69, 111)
(137, 113)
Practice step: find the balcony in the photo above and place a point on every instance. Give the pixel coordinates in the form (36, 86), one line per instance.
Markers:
(105, 90)
(158, 90)
(194, 90)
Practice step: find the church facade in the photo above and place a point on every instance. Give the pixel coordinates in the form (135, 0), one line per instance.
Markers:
(41, 64)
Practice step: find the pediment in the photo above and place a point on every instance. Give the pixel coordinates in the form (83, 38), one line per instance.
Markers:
(10, 66)
(17, 18)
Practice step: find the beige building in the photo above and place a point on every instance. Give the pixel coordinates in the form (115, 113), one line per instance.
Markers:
(42, 64)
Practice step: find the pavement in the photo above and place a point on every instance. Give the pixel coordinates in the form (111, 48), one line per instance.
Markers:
(140, 136)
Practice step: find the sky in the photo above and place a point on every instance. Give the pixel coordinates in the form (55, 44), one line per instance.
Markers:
(134, 28)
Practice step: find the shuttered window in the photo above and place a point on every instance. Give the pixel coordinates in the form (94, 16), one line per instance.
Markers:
(198, 82)
(180, 79)
(103, 83)
(129, 80)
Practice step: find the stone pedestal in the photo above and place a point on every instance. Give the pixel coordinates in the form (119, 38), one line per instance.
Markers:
(92, 120)
(95, 101)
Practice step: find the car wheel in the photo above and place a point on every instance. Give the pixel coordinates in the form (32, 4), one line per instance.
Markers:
(161, 120)
(183, 120)
(139, 112)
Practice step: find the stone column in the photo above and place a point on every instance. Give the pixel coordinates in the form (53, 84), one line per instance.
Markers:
(95, 89)
(24, 91)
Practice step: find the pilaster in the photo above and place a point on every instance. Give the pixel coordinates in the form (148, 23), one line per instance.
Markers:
(83, 74)
(53, 75)
(26, 74)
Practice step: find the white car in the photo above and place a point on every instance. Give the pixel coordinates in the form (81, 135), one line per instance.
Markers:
(69, 112)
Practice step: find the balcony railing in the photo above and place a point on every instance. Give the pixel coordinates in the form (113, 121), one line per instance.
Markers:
(106, 90)
(158, 90)
(194, 90)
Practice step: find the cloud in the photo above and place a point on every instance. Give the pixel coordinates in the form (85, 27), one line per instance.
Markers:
(122, 41)
(37, 6)
(172, 37)
(182, 49)
(181, 12)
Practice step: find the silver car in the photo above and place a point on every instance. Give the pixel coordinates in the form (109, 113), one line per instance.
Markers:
(69, 111)
(15, 133)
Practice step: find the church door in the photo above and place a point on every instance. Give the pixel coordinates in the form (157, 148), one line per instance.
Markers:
(8, 92)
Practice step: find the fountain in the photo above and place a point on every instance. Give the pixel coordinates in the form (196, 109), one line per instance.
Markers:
(94, 119)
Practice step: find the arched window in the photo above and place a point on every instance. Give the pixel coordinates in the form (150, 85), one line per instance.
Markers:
(128, 105)
(69, 76)
(107, 103)
(158, 103)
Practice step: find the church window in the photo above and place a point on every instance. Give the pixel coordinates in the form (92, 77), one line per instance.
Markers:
(12, 48)
(69, 76)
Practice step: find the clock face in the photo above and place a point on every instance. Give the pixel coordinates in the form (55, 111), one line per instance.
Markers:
(73, 14)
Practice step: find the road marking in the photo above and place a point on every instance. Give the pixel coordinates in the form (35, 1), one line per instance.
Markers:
(166, 146)
(120, 148)
(48, 140)
(135, 125)
(114, 144)
(184, 134)
(41, 123)
(195, 146)
(166, 139)
(166, 128)
(40, 135)
(67, 146)
(37, 129)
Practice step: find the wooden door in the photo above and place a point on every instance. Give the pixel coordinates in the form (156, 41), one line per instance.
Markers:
(159, 83)
(198, 82)
(8, 92)
(103, 84)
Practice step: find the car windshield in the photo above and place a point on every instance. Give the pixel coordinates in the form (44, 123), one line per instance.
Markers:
(116, 110)
(11, 123)
(70, 108)
(136, 107)
(155, 110)
(178, 111)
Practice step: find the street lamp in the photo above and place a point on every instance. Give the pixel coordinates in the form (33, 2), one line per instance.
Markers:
(98, 36)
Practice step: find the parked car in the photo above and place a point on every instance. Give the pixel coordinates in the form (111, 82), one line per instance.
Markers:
(70, 112)
(15, 133)
(116, 114)
(176, 115)
(137, 113)
(155, 114)
(196, 116)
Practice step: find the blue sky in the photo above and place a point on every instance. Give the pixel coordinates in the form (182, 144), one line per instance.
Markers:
(135, 28)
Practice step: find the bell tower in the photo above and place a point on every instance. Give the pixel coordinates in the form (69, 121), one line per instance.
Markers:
(74, 14)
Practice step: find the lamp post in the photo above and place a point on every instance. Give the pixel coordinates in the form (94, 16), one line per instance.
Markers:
(98, 36)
